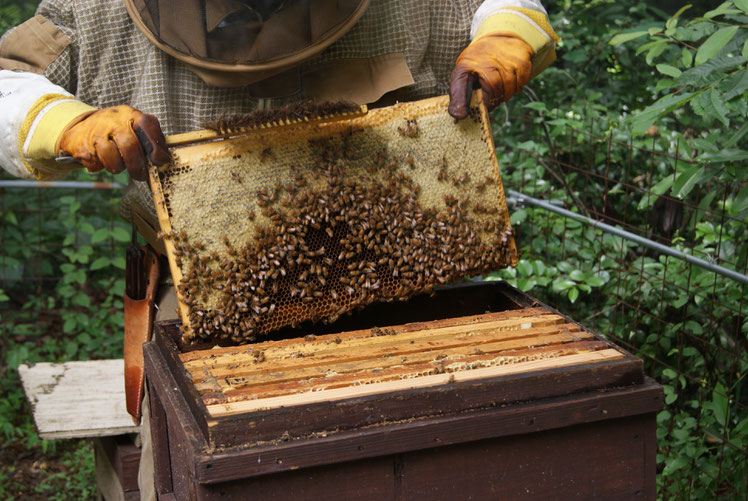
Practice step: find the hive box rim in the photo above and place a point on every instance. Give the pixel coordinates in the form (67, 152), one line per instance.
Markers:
(261, 427)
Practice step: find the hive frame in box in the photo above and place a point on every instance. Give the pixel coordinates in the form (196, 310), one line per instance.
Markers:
(457, 225)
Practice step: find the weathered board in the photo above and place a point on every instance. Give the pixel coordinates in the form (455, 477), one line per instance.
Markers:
(77, 399)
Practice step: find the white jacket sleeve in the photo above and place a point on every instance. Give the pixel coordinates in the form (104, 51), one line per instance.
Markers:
(492, 7)
(25, 98)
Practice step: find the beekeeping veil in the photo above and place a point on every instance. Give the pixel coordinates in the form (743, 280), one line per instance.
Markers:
(239, 42)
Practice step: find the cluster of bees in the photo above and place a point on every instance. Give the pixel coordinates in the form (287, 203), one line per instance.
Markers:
(331, 243)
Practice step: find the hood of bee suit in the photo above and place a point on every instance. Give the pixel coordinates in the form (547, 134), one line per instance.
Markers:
(230, 43)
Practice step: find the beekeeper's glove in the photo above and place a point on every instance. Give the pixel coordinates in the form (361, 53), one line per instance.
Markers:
(510, 47)
(115, 139)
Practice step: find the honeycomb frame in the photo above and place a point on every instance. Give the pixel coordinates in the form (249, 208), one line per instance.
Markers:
(309, 221)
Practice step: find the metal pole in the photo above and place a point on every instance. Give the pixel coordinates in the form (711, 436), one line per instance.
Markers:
(663, 249)
(85, 185)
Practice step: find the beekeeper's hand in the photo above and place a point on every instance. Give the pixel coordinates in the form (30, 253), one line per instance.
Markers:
(498, 63)
(115, 139)
(511, 44)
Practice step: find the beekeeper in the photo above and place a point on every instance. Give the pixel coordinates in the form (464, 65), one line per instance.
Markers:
(103, 81)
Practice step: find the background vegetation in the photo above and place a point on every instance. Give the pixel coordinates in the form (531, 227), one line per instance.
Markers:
(641, 123)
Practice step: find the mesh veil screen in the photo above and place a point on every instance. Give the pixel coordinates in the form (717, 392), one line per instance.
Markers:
(308, 222)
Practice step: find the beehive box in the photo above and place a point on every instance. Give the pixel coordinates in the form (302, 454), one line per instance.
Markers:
(306, 222)
(509, 400)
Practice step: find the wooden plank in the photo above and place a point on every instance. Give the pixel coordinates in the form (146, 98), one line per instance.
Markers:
(321, 370)
(160, 443)
(170, 360)
(124, 457)
(601, 460)
(175, 432)
(514, 320)
(329, 349)
(409, 384)
(77, 399)
(356, 413)
(245, 462)
(383, 355)
(275, 389)
(367, 480)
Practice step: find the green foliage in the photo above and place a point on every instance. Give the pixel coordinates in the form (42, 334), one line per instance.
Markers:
(15, 12)
(703, 62)
(613, 132)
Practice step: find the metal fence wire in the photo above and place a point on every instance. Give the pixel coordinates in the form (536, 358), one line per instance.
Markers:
(686, 322)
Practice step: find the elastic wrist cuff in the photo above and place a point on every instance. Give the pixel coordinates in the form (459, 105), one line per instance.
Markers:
(50, 126)
(39, 134)
(529, 25)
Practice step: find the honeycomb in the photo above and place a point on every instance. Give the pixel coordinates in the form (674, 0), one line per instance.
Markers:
(308, 222)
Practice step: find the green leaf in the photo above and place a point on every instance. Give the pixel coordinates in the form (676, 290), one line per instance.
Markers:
(120, 234)
(573, 294)
(660, 188)
(536, 105)
(100, 235)
(716, 105)
(562, 285)
(539, 267)
(655, 52)
(517, 217)
(525, 268)
(686, 58)
(668, 70)
(577, 275)
(673, 21)
(740, 203)
(723, 156)
(714, 44)
(626, 37)
(744, 52)
(81, 299)
(675, 464)
(739, 86)
(642, 121)
(693, 327)
(650, 46)
(705, 145)
(719, 404)
(711, 71)
(526, 284)
(721, 10)
(741, 428)
(687, 180)
(694, 32)
(99, 263)
(595, 281)
(741, 4)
